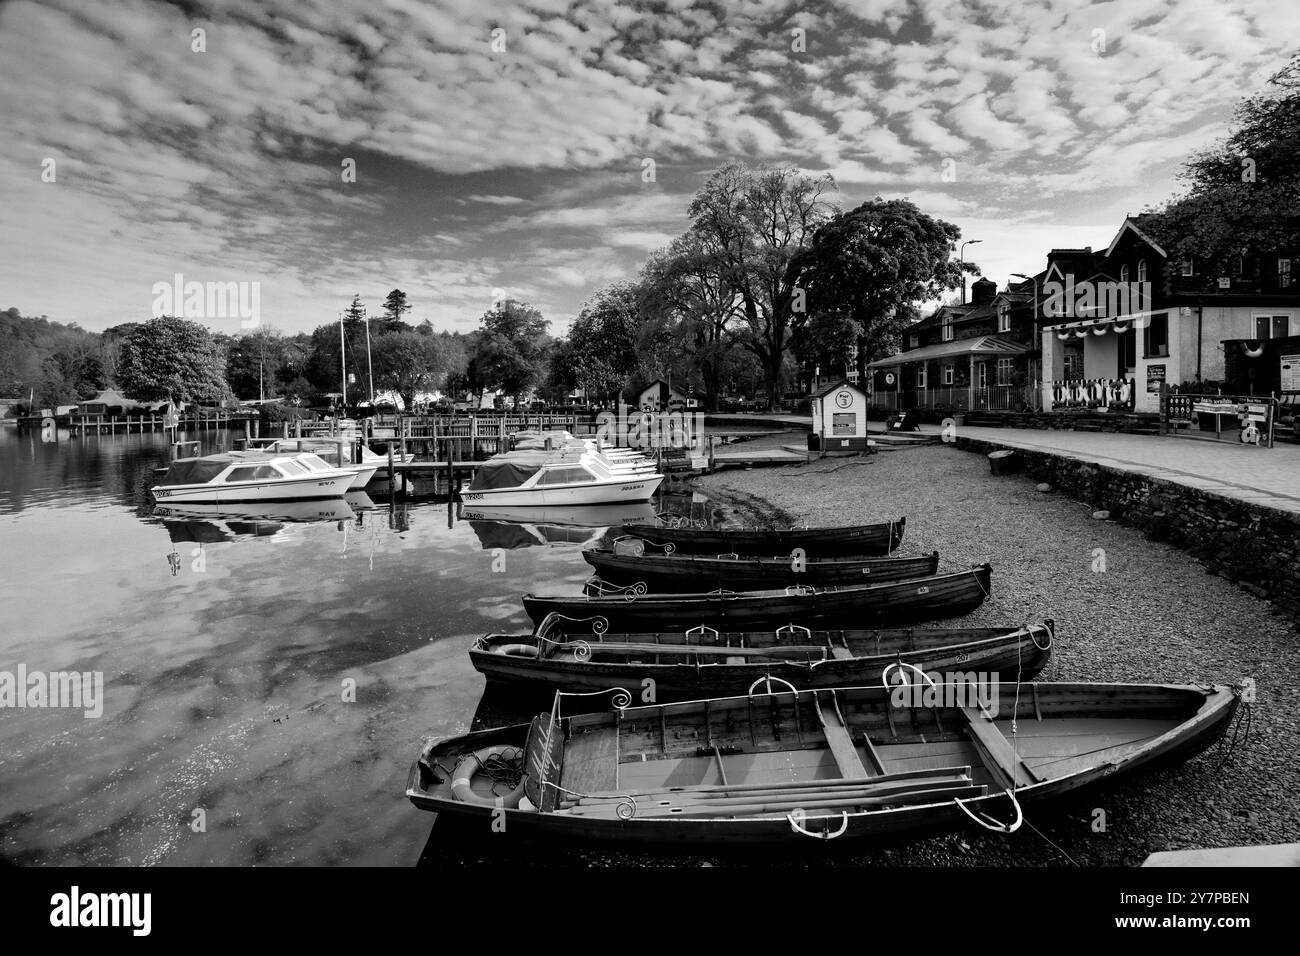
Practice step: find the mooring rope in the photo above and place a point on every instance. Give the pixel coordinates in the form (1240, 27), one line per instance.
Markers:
(1239, 737)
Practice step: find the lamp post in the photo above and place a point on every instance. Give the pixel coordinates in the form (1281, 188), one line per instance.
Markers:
(961, 258)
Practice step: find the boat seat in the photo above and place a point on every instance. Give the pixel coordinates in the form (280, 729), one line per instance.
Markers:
(992, 742)
(838, 739)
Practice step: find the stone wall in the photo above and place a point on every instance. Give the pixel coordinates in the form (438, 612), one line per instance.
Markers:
(1256, 547)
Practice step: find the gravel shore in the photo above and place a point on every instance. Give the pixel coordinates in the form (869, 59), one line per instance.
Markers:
(1152, 615)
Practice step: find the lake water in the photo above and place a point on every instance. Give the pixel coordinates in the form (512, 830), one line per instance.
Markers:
(227, 644)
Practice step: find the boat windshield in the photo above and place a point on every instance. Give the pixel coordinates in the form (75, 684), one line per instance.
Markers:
(313, 463)
(565, 476)
(290, 467)
(598, 469)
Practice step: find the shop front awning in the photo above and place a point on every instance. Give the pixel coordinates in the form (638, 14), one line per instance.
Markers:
(981, 346)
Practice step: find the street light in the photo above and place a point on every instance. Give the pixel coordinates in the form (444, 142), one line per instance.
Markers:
(961, 258)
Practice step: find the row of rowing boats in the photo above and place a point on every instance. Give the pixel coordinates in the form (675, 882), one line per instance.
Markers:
(767, 711)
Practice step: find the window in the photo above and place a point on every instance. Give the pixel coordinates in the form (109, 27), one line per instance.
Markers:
(1188, 268)
(1272, 326)
(291, 468)
(922, 378)
(844, 423)
(1157, 336)
(1284, 279)
(564, 476)
(1123, 273)
(1004, 317)
(252, 473)
(1142, 270)
(947, 332)
(1127, 353)
(981, 375)
(913, 341)
(1006, 368)
(947, 374)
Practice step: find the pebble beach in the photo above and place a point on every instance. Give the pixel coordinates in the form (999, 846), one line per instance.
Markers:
(1126, 609)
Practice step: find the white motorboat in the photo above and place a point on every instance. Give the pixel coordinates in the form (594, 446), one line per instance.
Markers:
(328, 449)
(319, 465)
(543, 478)
(247, 476)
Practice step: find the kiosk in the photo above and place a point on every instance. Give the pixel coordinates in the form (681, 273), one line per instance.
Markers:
(839, 420)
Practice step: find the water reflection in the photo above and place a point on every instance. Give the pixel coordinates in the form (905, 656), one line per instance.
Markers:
(228, 639)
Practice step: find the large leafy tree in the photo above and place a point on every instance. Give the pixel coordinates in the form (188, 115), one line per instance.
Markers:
(173, 358)
(759, 220)
(510, 352)
(876, 264)
(416, 361)
(688, 287)
(601, 347)
(1242, 195)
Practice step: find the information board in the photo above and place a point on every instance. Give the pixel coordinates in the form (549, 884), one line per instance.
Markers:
(1290, 373)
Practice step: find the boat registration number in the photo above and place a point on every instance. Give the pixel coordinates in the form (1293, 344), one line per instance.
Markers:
(922, 590)
(632, 487)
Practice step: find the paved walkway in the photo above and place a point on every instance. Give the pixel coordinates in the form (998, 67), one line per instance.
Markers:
(1261, 476)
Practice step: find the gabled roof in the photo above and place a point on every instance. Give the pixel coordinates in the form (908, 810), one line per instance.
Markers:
(977, 345)
(836, 386)
(1130, 224)
(110, 396)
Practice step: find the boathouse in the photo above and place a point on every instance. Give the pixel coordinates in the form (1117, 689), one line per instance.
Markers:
(109, 403)
(839, 419)
(659, 396)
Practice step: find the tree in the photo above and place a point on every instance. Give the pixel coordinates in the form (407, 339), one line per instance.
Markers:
(1242, 194)
(601, 348)
(254, 362)
(759, 219)
(171, 358)
(414, 361)
(827, 341)
(688, 285)
(395, 306)
(876, 264)
(509, 354)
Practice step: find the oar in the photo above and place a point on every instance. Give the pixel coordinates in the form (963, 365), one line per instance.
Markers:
(830, 802)
(741, 787)
(652, 807)
(848, 786)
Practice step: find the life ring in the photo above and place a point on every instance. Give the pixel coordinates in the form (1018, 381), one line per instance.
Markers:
(1250, 434)
(470, 764)
(515, 650)
(1253, 348)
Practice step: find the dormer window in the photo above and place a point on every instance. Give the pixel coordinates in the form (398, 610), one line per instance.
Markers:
(1004, 317)
(913, 341)
(1123, 273)
(1188, 268)
(1284, 279)
(947, 331)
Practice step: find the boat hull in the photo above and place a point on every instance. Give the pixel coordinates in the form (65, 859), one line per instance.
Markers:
(814, 542)
(918, 599)
(288, 489)
(1193, 718)
(623, 489)
(682, 572)
(1014, 652)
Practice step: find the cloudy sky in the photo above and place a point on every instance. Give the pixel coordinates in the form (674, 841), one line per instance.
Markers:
(521, 169)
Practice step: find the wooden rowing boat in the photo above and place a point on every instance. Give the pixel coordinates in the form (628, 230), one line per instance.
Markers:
(920, 599)
(863, 539)
(689, 572)
(857, 763)
(689, 665)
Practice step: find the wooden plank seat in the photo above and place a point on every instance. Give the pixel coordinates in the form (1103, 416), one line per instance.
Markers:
(992, 742)
(838, 739)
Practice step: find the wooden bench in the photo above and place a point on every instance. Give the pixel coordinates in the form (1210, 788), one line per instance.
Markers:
(992, 742)
(838, 739)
